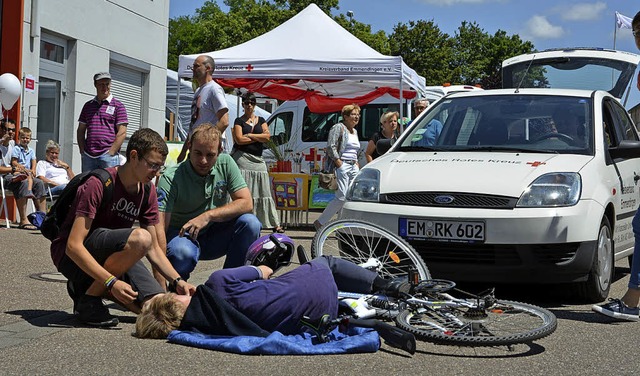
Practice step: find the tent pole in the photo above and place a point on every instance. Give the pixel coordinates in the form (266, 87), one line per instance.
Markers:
(179, 122)
(401, 99)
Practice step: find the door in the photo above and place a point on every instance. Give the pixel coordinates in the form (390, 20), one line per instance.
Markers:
(49, 93)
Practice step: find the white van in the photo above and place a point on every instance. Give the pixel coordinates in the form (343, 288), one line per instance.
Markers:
(295, 129)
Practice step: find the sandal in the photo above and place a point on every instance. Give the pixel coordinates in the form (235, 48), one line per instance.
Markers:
(279, 230)
(27, 226)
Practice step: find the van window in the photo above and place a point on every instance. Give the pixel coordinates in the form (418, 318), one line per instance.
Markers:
(280, 127)
(315, 127)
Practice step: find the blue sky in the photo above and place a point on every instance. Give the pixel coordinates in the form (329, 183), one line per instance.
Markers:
(547, 23)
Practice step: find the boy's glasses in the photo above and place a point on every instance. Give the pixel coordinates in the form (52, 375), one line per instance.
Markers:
(154, 166)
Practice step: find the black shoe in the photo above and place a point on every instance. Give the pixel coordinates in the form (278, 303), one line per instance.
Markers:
(397, 287)
(92, 312)
(72, 294)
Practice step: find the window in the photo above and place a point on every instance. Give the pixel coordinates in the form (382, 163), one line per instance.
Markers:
(315, 127)
(280, 127)
(51, 51)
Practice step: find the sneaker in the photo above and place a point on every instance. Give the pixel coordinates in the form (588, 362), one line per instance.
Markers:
(397, 287)
(91, 311)
(618, 310)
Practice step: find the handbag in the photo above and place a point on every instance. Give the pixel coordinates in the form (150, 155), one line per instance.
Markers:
(328, 180)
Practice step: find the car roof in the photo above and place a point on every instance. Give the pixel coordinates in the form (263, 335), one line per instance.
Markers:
(526, 91)
(573, 68)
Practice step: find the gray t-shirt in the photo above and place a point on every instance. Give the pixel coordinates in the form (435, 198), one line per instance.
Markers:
(207, 101)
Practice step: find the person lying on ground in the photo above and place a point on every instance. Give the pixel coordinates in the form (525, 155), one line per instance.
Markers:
(277, 304)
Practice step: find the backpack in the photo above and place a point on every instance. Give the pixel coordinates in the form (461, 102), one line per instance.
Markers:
(58, 212)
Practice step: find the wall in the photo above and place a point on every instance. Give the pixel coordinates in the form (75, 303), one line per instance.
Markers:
(130, 32)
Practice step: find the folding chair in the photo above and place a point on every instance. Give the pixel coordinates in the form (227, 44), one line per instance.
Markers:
(5, 194)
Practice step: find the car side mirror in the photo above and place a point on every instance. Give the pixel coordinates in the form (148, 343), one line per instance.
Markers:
(625, 150)
(383, 145)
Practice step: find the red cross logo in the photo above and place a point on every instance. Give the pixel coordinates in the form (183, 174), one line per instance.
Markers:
(312, 156)
(249, 68)
(536, 163)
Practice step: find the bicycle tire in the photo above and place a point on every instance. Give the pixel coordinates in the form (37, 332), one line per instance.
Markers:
(363, 242)
(506, 323)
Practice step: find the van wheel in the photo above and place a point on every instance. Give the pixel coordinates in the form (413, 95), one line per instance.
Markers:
(598, 284)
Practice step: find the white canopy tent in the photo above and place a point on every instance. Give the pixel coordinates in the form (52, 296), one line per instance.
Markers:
(311, 57)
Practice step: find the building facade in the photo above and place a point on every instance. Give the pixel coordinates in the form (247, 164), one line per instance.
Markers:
(60, 44)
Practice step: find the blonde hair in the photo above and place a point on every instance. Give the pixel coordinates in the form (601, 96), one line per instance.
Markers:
(348, 109)
(387, 115)
(24, 132)
(206, 133)
(159, 317)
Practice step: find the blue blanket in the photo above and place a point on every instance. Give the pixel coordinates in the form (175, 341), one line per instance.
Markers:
(356, 340)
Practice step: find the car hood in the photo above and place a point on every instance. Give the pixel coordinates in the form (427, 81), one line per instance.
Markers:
(503, 174)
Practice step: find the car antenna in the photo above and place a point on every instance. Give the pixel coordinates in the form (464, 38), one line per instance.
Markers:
(525, 74)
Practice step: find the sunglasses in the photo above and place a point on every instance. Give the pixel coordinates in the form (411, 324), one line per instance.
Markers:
(246, 103)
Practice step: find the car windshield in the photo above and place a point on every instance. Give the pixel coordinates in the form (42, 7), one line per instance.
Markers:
(520, 123)
(570, 72)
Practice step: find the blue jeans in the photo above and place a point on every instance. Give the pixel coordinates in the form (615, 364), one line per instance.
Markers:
(634, 277)
(103, 161)
(57, 189)
(231, 239)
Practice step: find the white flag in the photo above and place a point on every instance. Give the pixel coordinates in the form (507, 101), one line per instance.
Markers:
(623, 22)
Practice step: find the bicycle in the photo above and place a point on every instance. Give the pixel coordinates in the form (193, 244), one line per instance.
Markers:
(429, 311)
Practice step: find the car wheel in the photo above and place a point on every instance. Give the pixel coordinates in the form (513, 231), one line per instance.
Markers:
(598, 284)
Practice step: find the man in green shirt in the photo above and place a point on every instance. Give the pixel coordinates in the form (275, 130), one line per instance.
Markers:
(192, 198)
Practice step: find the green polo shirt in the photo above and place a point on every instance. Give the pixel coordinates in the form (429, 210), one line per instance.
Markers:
(185, 194)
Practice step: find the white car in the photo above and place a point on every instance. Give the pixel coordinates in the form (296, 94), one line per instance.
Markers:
(522, 185)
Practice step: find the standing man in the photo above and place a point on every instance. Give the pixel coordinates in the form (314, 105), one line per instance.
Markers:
(102, 127)
(626, 308)
(209, 104)
(99, 251)
(199, 222)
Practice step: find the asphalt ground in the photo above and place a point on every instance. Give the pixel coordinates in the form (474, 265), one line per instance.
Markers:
(39, 336)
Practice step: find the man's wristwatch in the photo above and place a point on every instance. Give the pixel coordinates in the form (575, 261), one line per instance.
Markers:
(174, 284)
(13, 169)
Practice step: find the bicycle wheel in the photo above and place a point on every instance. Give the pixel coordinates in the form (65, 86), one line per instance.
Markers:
(504, 323)
(369, 246)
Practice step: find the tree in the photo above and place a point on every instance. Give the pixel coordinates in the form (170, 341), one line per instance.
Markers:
(424, 48)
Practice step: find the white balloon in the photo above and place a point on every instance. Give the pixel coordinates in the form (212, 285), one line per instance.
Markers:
(10, 88)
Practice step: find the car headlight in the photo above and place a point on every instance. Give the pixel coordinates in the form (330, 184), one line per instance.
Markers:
(552, 190)
(366, 186)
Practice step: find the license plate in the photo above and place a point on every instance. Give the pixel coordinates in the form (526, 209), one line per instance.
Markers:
(441, 230)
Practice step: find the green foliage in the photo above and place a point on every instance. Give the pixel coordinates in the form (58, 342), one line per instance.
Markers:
(471, 56)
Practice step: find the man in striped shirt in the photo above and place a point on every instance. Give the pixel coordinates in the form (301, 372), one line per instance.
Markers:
(102, 127)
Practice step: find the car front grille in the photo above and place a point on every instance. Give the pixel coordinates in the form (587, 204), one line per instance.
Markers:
(493, 254)
(449, 200)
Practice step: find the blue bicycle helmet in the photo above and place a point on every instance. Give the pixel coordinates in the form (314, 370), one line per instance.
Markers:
(274, 250)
